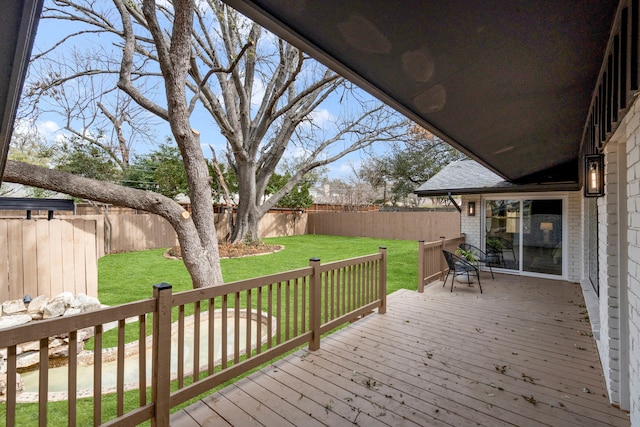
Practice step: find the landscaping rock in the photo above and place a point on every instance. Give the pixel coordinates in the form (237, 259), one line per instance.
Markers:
(15, 320)
(66, 297)
(30, 346)
(72, 311)
(55, 308)
(86, 303)
(28, 360)
(36, 307)
(3, 383)
(12, 307)
(14, 313)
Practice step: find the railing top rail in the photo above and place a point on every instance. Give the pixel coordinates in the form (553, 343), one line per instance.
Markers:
(439, 242)
(351, 261)
(193, 295)
(34, 331)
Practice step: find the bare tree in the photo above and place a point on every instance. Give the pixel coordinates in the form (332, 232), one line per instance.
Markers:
(262, 93)
(172, 48)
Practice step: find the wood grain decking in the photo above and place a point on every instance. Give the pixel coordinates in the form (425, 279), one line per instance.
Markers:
(519, 354)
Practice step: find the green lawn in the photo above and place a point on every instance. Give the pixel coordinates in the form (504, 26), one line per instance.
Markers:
(129, 276)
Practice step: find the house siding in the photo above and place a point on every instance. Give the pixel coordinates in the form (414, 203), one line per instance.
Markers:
(609, 308)
(632, 130)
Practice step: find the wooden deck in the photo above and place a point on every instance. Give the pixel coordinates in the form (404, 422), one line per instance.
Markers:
(519, 354)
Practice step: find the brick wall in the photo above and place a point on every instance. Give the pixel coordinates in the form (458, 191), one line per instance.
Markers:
(608, 257)
(632, 121)
(574, 237)
(470, 225)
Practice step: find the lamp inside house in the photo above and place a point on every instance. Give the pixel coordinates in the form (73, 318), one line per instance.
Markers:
(594, 175)
(546, 228)
(471, 209)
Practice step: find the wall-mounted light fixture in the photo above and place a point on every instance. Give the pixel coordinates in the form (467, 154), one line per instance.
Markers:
(594, 175)
(546, 228)
(471, 209)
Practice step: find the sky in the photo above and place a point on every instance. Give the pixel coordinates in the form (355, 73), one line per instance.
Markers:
(51, 125)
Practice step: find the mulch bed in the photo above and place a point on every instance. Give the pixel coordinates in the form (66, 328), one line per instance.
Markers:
(232, 250)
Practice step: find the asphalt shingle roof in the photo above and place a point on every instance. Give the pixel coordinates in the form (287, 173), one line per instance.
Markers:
(470, 177)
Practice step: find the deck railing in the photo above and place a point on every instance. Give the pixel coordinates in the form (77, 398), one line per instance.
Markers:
(431, 263)
(283, 311)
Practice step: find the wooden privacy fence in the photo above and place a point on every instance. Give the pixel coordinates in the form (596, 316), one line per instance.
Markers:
(431, 263)
(427, 226)
(40, 257)
(290, 309)
(128, 232)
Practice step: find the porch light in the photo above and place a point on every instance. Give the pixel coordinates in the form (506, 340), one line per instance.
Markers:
(546, 228)
(471, 209)
(594, 175)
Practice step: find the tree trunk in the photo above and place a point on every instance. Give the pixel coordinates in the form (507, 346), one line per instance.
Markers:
(200, 255)
(248, 216)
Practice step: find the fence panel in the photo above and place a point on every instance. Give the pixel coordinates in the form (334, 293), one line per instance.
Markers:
(41, 257)
(428, 226)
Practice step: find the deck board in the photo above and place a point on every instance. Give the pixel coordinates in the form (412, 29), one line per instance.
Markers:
(520, 354)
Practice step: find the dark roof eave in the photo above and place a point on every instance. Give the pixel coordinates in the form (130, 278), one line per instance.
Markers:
(529, 188)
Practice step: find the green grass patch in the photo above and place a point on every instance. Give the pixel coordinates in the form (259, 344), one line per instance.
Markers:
(128, 277)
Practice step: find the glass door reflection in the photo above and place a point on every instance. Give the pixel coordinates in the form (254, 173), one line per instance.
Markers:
(502, 238)
(542, 236)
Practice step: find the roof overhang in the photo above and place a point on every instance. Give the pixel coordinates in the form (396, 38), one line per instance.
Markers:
(508, 83)
(469, 177)
(18, 23)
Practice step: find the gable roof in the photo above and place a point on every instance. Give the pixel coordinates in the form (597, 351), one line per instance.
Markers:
(470, 177)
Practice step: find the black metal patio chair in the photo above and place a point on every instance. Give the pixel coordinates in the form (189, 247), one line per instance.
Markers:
(481, 257)
(459, 266)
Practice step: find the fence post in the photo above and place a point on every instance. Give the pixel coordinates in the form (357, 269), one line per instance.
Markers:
(421, 265)
(382, 309)
(161, 362)
(443, 262)
(315, 304)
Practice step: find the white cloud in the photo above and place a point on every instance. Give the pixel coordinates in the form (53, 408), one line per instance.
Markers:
(48, 127)
(46, 130)
(321, 116)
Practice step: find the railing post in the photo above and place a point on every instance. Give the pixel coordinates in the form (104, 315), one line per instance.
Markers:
(315, 303)
(443, 262)
(382, 309)
(161, 362)
(421, 265)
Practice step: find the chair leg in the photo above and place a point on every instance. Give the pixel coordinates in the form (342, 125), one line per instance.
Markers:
(445, 279)
(491, 270)
(453, 278)
(479, 284)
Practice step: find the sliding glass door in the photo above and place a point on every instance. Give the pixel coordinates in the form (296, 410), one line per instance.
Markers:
(502, 223)
(525, 235)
